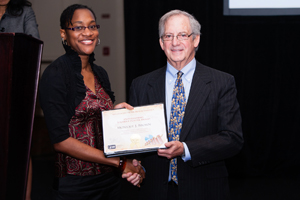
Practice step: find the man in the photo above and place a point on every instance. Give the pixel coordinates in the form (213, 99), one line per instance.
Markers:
(192, 166)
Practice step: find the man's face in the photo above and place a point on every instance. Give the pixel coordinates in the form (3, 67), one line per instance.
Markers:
(179, 53)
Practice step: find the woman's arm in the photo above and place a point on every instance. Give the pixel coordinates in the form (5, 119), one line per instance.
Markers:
(81, 151)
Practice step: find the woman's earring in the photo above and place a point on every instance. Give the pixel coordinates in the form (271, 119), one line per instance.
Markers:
(64, 41)
(98, 43)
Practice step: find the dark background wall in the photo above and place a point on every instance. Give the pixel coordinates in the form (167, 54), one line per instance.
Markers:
(262, 53)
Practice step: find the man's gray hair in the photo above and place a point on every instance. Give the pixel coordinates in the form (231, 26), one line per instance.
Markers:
(195, 25)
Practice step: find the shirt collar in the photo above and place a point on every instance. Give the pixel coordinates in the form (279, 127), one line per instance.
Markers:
(187, 70)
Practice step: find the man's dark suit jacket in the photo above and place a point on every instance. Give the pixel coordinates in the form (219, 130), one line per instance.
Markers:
(211, 129)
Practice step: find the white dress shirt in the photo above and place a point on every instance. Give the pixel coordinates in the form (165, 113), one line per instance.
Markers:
(171, 76)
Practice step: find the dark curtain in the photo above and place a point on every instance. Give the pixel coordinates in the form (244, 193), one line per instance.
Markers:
(263, 55)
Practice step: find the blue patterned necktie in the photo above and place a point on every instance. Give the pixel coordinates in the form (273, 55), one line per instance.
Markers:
(176, 118)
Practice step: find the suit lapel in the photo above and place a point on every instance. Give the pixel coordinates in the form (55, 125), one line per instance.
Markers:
(199, 92)
(156, 92)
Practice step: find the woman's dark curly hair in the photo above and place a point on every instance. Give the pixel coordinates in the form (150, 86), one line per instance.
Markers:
(67, 14)
(15, 7)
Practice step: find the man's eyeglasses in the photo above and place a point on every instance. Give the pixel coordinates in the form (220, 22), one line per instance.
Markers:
(180, 36)
(82, 28)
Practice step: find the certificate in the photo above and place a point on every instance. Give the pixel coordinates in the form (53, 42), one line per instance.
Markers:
(142, 129)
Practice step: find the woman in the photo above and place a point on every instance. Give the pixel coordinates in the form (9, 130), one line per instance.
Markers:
(17, 16)
(73, 91)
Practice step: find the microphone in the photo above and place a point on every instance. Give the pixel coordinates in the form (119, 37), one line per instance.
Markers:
(2, 29)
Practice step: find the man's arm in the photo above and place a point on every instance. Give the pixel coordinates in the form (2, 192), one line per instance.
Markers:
(228, 140)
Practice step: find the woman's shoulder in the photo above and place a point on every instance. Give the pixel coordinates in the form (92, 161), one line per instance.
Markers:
(27, 9)
(58, 66)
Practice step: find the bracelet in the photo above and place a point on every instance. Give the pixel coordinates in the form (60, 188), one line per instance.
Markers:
(122, 163)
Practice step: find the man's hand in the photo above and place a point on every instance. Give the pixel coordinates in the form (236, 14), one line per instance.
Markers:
(134, 172)
(174, 149)
(123, 105)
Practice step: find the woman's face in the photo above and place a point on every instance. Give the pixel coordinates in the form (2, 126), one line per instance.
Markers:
(84, 41)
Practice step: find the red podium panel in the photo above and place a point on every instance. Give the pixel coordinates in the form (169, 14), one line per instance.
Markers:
(20, 59)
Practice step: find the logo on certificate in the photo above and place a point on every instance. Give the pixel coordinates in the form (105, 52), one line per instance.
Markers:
(111, 146)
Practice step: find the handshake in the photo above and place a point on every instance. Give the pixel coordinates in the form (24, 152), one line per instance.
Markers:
(132, 170)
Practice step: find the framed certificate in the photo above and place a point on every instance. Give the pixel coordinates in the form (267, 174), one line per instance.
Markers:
(142, 129)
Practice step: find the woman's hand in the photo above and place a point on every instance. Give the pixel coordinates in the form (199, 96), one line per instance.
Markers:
(134, 172)
(123, 105)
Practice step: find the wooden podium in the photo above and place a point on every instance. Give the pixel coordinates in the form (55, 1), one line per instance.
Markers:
(20, 59)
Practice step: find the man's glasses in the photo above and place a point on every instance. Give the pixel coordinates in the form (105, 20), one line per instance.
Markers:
(82, 28)
(180, 36)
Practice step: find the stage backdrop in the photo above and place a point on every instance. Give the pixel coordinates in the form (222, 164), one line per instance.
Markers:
(263, 55)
